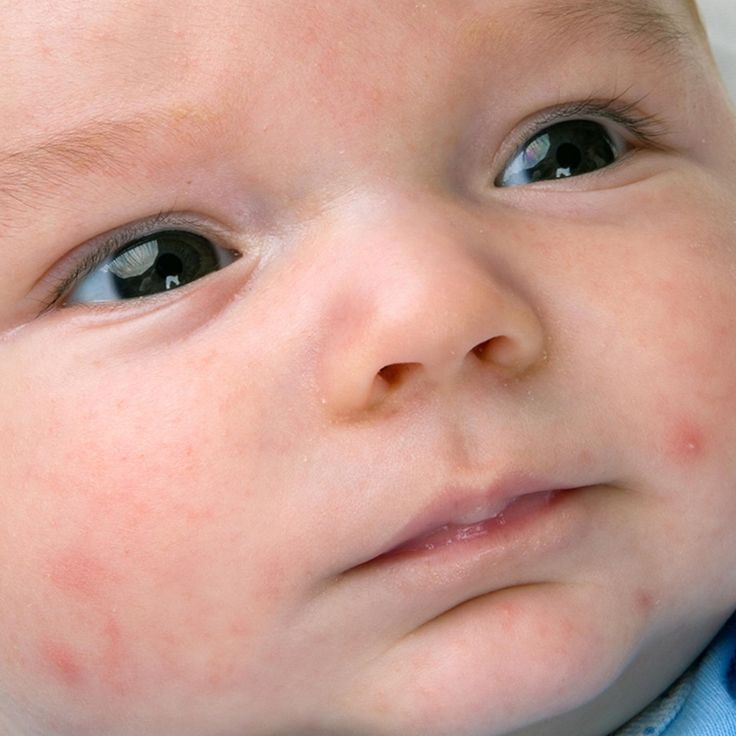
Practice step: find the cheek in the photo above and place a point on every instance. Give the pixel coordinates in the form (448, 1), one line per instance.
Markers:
(133, 555)
(680, 414)
(673, 325)
(693, 392)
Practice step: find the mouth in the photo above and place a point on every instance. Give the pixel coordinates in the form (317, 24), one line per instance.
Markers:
(466, 518)
(456, 533)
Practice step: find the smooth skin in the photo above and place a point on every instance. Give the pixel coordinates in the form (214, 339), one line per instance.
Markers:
(191, 482)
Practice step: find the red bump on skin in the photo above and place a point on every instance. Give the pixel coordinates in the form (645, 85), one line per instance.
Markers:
(686, 441)
(221, 676)
(240, 628)
(585, 458)
(644, 601)
(63, 665)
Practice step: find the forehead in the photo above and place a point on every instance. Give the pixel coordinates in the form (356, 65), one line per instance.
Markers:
(142, 49)
(263, 82)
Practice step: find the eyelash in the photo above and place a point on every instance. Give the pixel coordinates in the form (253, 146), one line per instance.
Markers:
(646, 128)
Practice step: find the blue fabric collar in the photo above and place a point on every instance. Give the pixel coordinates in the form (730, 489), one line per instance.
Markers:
(702, 702)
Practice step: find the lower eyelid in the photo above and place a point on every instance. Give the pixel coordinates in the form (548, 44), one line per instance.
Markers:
(631, 168)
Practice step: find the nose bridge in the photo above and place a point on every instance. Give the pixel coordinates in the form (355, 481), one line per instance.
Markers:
(419, 292)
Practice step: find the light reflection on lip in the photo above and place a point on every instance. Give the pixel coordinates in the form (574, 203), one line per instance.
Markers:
(452, 533)
(460, 513)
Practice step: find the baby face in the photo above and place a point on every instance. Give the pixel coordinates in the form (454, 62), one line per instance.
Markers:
(368, 368)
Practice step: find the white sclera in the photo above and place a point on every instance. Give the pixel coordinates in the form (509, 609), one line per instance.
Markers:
(97, 286)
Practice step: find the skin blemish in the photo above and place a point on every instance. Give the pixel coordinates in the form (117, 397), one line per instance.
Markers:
(77, 574)
(221, 676)
(686, 442)
(83, 578)
(644, 601)
(113, 658)
(106, 666)
(241, 629)
(585, 458)
(63, 664)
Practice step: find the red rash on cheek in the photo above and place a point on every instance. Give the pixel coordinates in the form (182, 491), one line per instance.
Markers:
(62, 664)
(645, 601)
(105, 665)
(78, 574)
(112, 659)
(82, 579)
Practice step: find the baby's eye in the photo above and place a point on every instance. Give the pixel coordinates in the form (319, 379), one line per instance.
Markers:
(150, 265)
(563, 150)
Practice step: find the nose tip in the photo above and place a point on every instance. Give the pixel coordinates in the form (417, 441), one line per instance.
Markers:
(425, 291)
(445, 323)
(506, 343)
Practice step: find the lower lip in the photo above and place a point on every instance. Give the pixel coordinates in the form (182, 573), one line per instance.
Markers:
(522, 512)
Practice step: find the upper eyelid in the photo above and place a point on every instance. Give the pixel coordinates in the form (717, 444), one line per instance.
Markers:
(647, 128)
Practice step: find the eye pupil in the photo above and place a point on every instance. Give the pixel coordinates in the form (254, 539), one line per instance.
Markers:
(169, 265)
(569, 156)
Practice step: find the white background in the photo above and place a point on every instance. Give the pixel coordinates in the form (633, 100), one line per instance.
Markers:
(720, 20)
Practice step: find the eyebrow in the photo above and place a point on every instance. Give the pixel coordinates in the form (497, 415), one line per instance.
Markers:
(107, 147)
(640, 24)
(103, 147)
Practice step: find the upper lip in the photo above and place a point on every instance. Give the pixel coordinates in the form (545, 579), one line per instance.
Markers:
(466, 505)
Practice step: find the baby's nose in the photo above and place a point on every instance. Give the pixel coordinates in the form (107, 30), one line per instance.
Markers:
(420, 298)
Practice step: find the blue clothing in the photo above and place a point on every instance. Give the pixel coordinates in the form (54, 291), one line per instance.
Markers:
(702, 702)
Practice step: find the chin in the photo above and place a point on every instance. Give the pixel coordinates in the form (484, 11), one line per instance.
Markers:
(495, 665)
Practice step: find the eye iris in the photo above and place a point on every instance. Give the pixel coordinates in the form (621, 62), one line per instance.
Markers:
(536, 151)
(567, 149)
(161, 263)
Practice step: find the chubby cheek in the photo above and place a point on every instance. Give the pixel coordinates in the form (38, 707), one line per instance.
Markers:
(679, 389)
(693, 392)
(130, 554)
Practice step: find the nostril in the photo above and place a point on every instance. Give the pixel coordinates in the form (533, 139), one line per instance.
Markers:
(389, 373)
(502, 351)
(393, 373)
(481, 349)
